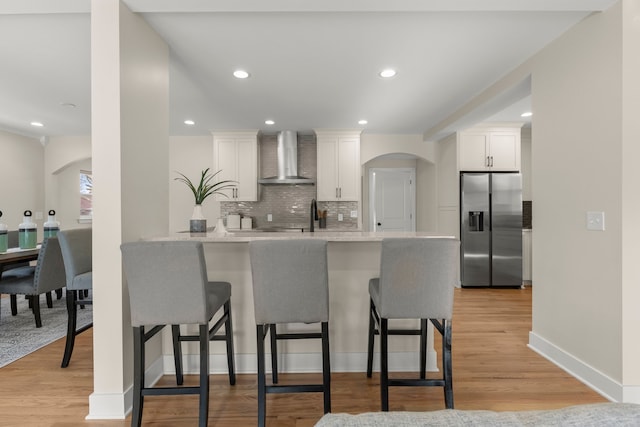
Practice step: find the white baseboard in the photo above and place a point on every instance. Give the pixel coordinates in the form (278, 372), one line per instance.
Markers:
(590, 376)
(116, 406)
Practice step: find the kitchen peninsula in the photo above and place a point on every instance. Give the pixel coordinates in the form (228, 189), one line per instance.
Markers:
(353, 258)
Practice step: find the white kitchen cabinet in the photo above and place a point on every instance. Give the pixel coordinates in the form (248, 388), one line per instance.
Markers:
(235, 154)
(338, 165)
(490, 149)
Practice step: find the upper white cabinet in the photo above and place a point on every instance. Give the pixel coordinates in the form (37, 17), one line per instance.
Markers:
(490, 149)
(235, 154)
(338, 165)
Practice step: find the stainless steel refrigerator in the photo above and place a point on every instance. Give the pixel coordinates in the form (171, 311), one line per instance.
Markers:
(491, 229)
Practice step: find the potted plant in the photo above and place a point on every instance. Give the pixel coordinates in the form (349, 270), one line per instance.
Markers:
(204, 189)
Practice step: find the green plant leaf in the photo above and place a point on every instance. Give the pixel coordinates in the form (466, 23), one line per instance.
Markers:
(205, 186)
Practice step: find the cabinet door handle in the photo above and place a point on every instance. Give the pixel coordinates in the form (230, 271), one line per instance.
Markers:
(491, 161)
(487, 162)
(340, 192)
(336, 192)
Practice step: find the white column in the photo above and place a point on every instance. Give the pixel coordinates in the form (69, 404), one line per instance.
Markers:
(130, 96)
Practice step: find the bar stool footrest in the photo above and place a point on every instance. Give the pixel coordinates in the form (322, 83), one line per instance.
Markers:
(417, 382)
(298, 388)
(168, 391)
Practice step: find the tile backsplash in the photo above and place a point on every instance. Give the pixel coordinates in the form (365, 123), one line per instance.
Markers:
(289, 205)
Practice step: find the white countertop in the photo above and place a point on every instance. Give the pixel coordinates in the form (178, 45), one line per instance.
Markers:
(331, 236)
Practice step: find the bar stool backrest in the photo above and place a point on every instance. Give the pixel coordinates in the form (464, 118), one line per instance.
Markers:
(166, 282)
(417, 277)
(290, 281)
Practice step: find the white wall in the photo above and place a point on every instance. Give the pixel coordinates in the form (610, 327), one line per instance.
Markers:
(65, 156)
(630, 199)
(525, 160)
(584, 156)
(189, 155)
(22, 178)
(580, 162)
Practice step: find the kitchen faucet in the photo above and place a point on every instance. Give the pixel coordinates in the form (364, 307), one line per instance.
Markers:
(313, 214)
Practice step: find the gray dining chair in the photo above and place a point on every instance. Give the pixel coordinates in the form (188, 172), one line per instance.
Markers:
(47, 276)
(290, 285)
(168, 285)
(27, 269)
(417, 279)
(76, 247)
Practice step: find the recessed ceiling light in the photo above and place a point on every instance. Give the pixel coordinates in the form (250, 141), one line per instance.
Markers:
(527, 114)
(189, 122)
(269, 122)
(240, 74)
(37, 124)
(362, 122)
(387, 73)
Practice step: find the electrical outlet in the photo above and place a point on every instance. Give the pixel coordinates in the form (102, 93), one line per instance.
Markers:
(340, 217)
(354, 214)
(269, 217)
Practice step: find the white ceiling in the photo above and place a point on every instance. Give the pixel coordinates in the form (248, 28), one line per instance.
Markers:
(312, 64)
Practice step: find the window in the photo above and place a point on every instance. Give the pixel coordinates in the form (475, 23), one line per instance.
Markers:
(86, 196)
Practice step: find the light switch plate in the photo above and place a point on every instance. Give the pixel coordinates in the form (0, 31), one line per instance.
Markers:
(269, 217)
(354, 214)
(340, 217)
(595, 221)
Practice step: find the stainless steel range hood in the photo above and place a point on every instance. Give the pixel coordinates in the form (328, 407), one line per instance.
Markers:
(287, 162)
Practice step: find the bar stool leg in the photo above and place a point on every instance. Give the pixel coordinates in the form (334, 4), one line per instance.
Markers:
(274, 353)
(228, 331)
(447, 365)
(204, 375)
(177, 353)
(138, 376)
(371, 338)
(326, 367)
(423, 349)
(262, 392)
(384, 364)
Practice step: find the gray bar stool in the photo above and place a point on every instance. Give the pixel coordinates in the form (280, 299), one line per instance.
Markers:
(417, 278)
(168, 285)
(290, 285)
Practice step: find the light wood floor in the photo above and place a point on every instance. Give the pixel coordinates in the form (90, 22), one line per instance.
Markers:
(492, 369)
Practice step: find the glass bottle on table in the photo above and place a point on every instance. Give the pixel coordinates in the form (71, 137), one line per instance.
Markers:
(4, 237)
(51, 227)
(27, 232)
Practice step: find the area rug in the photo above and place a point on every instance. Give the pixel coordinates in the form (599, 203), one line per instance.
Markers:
(19, 335)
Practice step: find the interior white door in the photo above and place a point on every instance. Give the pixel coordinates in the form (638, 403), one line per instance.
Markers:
(392, 199)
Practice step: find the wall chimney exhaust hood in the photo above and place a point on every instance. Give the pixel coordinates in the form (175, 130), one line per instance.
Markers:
(287, 162)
